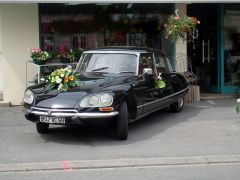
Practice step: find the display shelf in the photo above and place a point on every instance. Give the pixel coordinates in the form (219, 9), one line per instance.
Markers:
(28, 82)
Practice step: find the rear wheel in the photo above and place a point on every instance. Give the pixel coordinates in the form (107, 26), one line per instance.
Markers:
(122, 122)
(42, 128)
(178, 105)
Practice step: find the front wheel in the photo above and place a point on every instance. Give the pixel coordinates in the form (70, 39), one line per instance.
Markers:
(178, 105)
(122, 122)
(42, 128)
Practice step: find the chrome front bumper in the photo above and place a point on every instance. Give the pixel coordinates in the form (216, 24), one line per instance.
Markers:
(69, 113)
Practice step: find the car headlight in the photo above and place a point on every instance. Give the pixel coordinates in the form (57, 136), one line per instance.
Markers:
(97, 100)
(28, 97)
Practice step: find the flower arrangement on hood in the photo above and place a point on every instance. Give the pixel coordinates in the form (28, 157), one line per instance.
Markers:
(181, 27)
(38, 54)
(62, 79)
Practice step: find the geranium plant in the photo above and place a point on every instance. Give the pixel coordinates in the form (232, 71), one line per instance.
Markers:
(181, 27)
(62, 79)
(39, 56)
(65, 54)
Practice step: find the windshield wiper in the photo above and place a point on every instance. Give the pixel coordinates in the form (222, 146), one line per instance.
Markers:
(102, 68)
(127, 72)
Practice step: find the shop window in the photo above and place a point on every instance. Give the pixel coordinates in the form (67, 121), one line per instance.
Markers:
(96, 25)
(231, 45)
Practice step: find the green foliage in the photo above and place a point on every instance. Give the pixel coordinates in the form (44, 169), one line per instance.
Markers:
(39, 55)
(62, 79)
(159, 83)
(178, 27)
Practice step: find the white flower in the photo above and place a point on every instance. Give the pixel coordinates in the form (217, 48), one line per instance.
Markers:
(238, 100)
(60, 86)
(42, 79)
(62, 75)
(58, 80)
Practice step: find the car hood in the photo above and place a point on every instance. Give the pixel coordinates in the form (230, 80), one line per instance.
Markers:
(90, 83)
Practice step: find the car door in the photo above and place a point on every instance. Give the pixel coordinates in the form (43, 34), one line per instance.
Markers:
(146, 83)
(163, 95)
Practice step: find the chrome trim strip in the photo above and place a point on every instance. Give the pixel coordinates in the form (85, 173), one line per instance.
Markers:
(54, 110)
(162, 98)
(85, 115)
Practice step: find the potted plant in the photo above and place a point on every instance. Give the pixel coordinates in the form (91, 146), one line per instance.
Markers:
(77, 53)
(181, 27)
(38, 56)
(65, 55)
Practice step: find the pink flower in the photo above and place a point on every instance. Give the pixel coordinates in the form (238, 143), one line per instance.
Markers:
(176, 17)
(62, 48)
(36, 50)
(198, 22)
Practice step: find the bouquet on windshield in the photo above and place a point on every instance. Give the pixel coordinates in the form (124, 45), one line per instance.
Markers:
(62, 79)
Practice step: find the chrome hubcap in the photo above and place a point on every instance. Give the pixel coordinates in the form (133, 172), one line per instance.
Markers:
(180, 102)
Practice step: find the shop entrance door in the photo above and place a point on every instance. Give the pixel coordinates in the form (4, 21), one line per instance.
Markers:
(204, 50)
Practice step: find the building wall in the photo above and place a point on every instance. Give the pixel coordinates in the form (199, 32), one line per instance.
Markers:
(19, 32)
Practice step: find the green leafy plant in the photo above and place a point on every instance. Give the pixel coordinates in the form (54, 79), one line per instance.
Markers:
(181, 27)
(62, 79)
(77, 53)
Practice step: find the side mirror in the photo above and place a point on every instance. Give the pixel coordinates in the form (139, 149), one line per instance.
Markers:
(148, 71)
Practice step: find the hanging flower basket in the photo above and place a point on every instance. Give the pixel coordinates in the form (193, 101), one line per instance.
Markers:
(181, 27)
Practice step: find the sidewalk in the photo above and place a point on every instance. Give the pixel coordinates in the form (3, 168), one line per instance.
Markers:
(207, 129)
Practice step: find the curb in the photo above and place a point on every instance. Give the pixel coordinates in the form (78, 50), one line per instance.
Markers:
(5, 104)
(212, 97)
(119, 163)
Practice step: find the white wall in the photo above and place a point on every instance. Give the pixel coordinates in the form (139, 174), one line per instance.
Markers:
(1, 64)
(19, 32)
(1, 73)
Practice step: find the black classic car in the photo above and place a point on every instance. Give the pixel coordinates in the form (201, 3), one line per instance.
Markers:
(118, 85)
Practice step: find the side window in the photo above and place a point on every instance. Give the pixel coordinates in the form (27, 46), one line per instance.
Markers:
(145, 61)
(160, 63)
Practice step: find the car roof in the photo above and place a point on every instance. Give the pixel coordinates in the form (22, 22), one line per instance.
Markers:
(133, 49)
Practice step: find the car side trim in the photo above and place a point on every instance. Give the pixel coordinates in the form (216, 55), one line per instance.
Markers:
(163, 98)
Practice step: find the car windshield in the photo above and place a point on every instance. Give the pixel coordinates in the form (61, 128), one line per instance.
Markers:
(108, 62)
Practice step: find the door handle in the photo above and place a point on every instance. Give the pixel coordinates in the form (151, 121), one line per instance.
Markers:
(208, 51)
(203, 55)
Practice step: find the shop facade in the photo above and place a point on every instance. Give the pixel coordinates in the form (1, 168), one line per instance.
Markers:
(216, 57)
(213, 55)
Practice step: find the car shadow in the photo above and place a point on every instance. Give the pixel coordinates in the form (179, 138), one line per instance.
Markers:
(143, 129)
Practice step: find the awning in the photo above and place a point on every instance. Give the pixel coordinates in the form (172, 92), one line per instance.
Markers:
(107, 2)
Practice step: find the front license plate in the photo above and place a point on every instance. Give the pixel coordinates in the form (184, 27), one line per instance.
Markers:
(54, 120)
